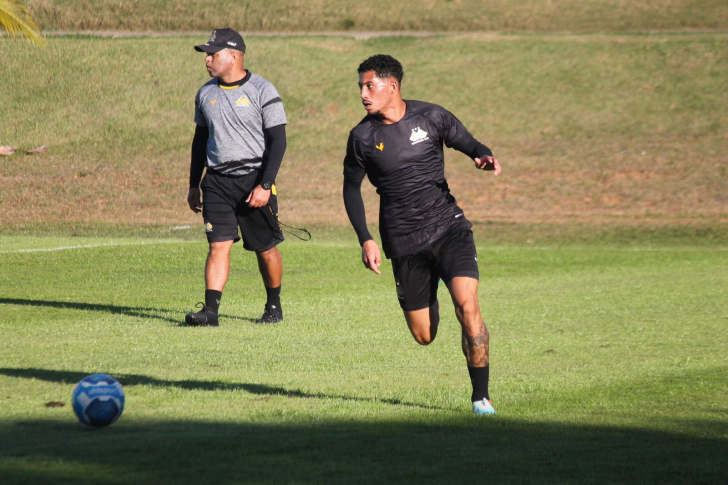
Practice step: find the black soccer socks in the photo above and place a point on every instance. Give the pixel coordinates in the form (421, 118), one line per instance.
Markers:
(212, 300)
(479, 378)
(273, 296)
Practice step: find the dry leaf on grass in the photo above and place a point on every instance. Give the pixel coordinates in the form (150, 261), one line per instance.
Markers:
(7, 150)
(40, 149)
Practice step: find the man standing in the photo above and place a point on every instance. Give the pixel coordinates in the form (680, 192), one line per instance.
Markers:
(241, 138)
(399, 146)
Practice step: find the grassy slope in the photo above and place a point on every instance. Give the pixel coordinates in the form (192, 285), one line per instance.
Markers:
(607, 367)
(605, 128)
(434, 15)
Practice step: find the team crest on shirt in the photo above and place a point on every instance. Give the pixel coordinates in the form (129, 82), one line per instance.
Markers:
(243, 101)
(418, 135)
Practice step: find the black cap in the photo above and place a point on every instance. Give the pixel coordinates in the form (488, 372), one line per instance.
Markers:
(222, 39)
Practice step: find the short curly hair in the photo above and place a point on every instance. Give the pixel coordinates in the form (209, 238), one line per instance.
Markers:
(384, 66)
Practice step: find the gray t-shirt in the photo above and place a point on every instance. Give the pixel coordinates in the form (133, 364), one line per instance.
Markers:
(236, 118)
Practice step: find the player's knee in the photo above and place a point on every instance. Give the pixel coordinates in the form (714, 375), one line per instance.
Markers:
(468, 308)
(271, 254)
(424, 339)
(219, 249)
(426, 335)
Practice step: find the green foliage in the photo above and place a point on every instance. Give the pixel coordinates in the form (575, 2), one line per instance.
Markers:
(607, 366)
(16, 21)
(348, 23)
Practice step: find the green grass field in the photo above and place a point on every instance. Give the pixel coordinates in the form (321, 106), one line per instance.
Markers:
(603, 250)
(608, 366)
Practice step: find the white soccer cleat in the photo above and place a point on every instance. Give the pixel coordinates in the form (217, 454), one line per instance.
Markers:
(482, 408)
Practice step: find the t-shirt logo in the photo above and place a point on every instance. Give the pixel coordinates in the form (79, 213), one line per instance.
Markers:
(380, 147)
(418, 135)
(243, 101)
(213, 102)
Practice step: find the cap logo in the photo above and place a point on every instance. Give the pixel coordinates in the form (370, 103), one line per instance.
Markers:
(231, 43)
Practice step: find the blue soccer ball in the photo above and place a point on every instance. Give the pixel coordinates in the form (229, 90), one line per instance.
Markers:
(98, 400)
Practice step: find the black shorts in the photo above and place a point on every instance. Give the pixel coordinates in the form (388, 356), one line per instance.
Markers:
(417, 275)
(224, 210)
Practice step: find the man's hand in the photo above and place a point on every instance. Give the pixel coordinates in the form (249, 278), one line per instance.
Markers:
(258, 197)
(193, 199)
(370, 256)
(488, 163)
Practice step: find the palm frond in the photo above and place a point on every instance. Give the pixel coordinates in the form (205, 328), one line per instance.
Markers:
(16, 21)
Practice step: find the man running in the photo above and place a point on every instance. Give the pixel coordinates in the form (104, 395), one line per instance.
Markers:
(240, 138)
(399, 146)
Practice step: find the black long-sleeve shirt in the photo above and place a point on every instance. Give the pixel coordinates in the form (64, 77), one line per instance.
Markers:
(405, 162)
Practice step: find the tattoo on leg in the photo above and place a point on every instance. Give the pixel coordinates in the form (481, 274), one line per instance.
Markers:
(478, 347)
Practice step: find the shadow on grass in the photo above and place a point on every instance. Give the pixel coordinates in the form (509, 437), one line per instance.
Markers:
(72, 377)
(472, 450)
(141, 312)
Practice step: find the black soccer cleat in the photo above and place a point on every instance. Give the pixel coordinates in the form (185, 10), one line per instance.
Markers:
(272, 314)
(203, 318)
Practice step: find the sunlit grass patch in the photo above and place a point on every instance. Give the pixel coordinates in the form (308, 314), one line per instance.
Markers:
(606, 366)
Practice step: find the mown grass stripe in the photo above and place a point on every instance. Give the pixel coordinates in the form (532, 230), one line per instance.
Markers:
(91, 246)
